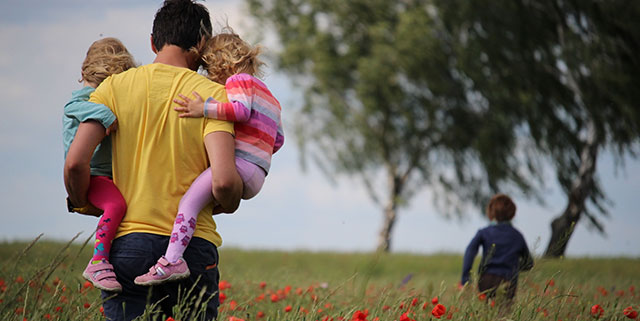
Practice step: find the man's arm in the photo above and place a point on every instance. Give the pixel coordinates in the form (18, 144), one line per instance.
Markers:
(226, 184)
(77, 170)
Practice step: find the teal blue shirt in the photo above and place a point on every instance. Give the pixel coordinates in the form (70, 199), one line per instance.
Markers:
(79, 110)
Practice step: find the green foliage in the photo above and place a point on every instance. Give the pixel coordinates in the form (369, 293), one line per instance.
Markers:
(467, 97)
(332, 285)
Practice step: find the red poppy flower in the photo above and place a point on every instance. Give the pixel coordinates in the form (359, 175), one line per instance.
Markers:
(482, 296)
(288, 308)
(222, 297)
(630, 313)
(360, 316)
(597, 311)
(224, 285)
(87, 285)
(170, 319)
(405, 317)
(260, 314)
(414, 302)
(434, 300)
(274, 297)
(438, 311)
(87, 305)
(263, 284)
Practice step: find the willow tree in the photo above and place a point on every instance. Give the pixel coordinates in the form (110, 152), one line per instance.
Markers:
(384, 103)
(567, 72)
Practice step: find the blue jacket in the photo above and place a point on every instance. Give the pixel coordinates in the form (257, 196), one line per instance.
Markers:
(504, 252)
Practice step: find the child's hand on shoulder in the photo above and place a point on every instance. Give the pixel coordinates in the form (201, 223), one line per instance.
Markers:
(190, 107)
(112, 128)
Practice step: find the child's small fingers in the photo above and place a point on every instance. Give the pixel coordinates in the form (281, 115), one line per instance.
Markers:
(195, 94)
(180, 102)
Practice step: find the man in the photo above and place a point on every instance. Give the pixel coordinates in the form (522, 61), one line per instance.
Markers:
(156, 156)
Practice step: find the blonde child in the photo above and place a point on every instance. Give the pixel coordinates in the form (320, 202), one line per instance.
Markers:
(105, 57)
(258, 129)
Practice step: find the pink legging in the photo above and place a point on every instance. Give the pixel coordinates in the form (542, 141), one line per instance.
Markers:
(104, 195)
(198, 196)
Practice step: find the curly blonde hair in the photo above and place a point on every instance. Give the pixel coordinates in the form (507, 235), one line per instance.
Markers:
(105, 57)
(226, 54)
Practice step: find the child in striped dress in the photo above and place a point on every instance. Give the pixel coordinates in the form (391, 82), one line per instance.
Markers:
(258, 129)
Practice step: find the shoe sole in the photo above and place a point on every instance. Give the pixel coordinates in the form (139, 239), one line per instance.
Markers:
(172, 277)
(99, 286)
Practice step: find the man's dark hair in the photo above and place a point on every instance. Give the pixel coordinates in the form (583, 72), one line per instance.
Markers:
(182, 23)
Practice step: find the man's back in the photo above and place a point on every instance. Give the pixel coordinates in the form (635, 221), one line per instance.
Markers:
(156, 154)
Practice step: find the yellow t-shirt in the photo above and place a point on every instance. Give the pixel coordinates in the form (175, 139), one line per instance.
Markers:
(156, 154)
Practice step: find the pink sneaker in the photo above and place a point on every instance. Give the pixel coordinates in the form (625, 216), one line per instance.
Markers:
(164, 271)
(102, 276)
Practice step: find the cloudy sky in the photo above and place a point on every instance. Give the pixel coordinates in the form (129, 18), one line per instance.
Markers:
(42, 45)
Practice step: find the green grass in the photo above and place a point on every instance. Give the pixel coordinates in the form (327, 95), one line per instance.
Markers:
(42, 281)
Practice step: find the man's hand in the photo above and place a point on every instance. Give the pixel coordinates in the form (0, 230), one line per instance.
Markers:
(190, 108)
(89, 209)
(220, 210)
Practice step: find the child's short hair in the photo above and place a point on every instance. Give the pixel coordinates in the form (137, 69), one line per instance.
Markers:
(226, 54)
(105, 57)
(501, 208)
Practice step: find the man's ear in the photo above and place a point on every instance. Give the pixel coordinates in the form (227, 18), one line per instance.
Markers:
(153, 47)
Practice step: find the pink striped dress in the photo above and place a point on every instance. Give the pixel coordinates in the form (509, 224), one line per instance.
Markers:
(256, 114)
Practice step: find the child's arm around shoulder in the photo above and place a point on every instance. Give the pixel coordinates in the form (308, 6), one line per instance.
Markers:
(240, 91)
(86, 110)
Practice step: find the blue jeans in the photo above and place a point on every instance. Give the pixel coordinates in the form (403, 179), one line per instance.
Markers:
(133, 254)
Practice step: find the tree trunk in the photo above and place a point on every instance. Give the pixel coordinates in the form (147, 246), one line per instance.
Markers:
(562, 226)
(384, 239)
(389, 212)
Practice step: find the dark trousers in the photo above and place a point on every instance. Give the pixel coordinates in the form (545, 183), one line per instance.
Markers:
(133, 254)
(489, 283)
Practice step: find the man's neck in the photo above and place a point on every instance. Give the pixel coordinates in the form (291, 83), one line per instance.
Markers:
(174, 56)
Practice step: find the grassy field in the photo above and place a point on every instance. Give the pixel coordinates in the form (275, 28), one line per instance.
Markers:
(42, 281)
